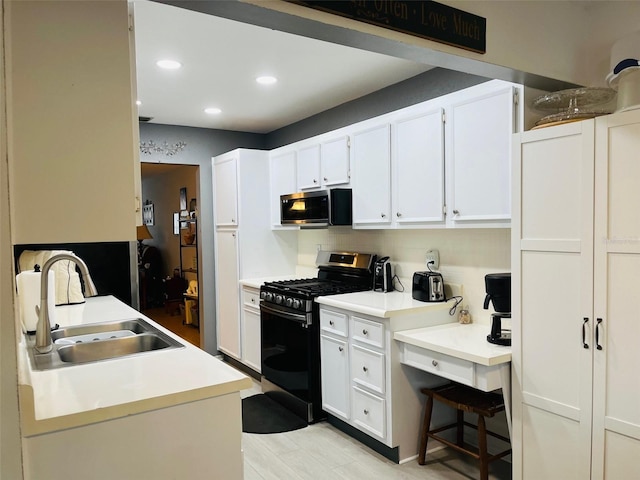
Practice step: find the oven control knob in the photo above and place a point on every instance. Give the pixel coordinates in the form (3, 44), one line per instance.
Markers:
(289, 301)
(279, 299)
(268, 297)
(297, 304)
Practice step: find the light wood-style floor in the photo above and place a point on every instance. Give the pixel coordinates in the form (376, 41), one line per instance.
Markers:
(320, 451)
(172, 320)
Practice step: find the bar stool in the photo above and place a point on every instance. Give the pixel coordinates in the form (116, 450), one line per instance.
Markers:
(463, 399)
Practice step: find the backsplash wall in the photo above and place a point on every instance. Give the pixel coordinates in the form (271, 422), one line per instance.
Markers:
(466, 255)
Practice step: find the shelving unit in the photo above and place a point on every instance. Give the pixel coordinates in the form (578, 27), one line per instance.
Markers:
(188, 251)
(189, 266)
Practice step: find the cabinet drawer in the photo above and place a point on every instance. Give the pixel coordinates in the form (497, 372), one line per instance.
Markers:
(251, 297)
(367, 369)
(334, 322)
(453, 368)
(369, 413)
(368, 331)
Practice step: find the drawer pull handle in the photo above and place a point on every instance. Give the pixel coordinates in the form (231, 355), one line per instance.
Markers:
(366, 412)
(364, 332)
(365, 369)
(340, 349)
(434, 363)
(331, 322)
(253, 300)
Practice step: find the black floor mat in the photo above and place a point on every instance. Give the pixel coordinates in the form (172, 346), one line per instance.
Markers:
(261, 414)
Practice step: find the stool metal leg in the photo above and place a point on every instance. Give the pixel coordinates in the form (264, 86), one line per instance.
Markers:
(422, 453)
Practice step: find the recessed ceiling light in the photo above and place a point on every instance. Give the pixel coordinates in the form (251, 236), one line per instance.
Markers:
(138, 102)
(212, 110)
(266, 80)
(168, 64)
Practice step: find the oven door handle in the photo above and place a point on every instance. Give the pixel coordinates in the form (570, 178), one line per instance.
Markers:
(296, 317)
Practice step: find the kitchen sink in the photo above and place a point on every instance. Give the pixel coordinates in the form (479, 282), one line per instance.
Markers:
(135, 325)
(96, 342)
(111, 348)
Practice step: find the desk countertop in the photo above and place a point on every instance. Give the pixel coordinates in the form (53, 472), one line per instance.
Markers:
(468, 342)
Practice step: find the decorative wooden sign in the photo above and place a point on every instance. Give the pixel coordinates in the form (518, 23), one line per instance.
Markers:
(422, 18)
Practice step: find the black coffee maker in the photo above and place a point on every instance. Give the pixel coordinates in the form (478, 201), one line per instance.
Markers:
(498, 287)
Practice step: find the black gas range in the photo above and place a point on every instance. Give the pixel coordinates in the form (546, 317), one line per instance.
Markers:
(289, 318)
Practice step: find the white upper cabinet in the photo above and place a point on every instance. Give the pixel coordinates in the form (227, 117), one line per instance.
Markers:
(323, 165)
(479, 130)
(226, 192)
(443, 163)
(372, 177)
(334, 165)
(283, 182)
(308, 168)
(418, 169)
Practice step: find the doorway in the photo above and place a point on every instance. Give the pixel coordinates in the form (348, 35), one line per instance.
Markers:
(169, 266)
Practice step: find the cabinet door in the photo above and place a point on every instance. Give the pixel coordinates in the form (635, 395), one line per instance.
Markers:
(616, 415)
(418, 168)
(372, 177)
(480, 132)
(552, 299)
(335, 376)
(308, 160)
(251, 354)
(227, 292)
(225, 176)
(334, 162)
(283, 182)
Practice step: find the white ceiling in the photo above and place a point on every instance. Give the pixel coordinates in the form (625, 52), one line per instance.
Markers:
(221, 59)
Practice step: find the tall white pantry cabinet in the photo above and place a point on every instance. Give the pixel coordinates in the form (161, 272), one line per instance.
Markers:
(245, 247)
(576, 279)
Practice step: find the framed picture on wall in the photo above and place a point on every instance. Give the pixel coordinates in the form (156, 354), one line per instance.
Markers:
(147, 214)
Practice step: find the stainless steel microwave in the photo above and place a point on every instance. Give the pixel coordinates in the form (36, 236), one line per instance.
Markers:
(318, 208)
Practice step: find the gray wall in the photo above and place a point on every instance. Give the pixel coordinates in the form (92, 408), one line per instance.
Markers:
(426, 86)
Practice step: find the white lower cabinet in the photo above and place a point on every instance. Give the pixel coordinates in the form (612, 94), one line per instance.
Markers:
(250, 328)
(335, 376)
(355, 360)
(576, 258)
(363, 382)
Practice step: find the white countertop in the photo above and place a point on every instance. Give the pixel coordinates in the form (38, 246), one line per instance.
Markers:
(82, 394)
(257, 282)
(383, 305)
(464, 341)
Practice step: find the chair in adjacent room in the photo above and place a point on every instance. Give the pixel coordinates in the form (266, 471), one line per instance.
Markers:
(173, 290)
(463, 399)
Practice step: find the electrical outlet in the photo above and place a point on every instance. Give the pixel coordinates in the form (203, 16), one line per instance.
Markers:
(433, 259)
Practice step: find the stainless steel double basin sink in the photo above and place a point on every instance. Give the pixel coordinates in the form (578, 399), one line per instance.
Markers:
(95, 342)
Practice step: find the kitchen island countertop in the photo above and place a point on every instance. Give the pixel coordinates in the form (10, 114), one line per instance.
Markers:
(93, 392)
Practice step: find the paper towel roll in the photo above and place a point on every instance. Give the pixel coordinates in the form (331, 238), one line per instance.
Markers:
(29, 297)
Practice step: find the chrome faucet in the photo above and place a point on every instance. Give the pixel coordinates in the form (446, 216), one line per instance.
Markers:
(43, 329)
